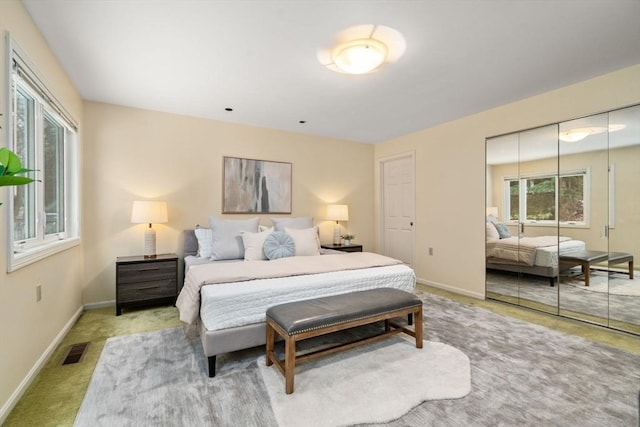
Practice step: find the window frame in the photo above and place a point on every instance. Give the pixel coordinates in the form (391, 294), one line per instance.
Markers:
(21, 74)
(522, 198)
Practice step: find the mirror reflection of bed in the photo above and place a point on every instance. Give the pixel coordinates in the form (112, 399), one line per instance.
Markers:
(562, 199)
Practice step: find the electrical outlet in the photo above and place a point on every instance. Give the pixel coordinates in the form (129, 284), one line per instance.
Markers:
(38, 292)
(430, 251)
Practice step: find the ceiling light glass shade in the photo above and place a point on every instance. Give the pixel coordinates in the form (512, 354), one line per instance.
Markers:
(616, 127)
(359, 56)
(577, 134)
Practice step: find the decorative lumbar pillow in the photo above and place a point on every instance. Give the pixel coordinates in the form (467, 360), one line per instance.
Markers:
(503, 231)
(492, 231)
(227, 241)
(253, 243)
(278, 245)
(306, 240)
(205, 241)
(297, 222)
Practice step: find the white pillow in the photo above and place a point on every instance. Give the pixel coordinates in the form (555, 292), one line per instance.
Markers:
(295, 222)
(205, 241)
(227, 242)
(253, 243)
(306, 240)
(492, 231)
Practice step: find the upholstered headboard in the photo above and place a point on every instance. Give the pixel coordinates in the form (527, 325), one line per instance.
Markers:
(190, 242)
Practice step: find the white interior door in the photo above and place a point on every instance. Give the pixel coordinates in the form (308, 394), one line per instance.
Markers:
(398, 205)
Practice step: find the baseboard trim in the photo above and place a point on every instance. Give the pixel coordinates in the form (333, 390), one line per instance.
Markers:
(450, 288)
(101, 304)
(6, 409)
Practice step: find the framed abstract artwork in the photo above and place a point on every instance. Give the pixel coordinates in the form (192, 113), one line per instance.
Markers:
(256, 186)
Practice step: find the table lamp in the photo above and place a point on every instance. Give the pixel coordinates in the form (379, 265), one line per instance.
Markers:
(337, 213)
(148, 212)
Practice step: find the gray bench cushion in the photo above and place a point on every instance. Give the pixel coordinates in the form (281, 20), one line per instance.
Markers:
(302, 316)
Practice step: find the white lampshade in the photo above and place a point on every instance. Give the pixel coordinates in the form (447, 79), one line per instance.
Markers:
(149, 212)
(146, 212)
(338, 212)
(493, 210)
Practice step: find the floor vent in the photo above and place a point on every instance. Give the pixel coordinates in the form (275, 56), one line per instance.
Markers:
(75, 353)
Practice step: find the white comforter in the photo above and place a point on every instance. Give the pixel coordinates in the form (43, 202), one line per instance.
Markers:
(245, 303)
(233, 275)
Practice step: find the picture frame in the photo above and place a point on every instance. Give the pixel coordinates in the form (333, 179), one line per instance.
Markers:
(256, 186)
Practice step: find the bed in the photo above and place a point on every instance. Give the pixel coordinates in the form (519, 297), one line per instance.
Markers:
(226, 300)
(530, 255)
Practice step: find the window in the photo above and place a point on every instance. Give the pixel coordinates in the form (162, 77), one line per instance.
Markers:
(547, 198)
(44, 214)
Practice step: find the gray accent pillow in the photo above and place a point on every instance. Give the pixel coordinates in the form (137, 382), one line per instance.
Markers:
(278, 245)
(503, 231)
(279, 224)
(227, 241)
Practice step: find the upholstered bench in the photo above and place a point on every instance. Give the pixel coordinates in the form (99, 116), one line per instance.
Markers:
(584, 259)
(300, 320)
(619, 258)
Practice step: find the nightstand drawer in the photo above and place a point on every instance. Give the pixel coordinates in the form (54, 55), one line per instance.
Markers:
(142, 291)
(131, 273)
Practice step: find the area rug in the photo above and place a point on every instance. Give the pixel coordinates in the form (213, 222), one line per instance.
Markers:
(354, 387)
(522, 374)
(614, 284)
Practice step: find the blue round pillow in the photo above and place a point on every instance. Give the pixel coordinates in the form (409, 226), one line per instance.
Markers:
(278, 245)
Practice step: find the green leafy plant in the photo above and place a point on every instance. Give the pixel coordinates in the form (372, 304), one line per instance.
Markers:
(11, 168)
(348, 236)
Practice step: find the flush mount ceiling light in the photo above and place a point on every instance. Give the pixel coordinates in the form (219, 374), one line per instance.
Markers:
(578, 134)
(362, 49)
(359, 56)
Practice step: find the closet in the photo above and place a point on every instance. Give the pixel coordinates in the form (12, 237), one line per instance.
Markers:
(563, 218)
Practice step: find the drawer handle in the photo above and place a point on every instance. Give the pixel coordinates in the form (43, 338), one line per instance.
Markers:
(148, 287)
(149, 268)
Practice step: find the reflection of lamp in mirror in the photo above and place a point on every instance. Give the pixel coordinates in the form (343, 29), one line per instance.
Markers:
(148, 212)
(337, 213)
(492, 211)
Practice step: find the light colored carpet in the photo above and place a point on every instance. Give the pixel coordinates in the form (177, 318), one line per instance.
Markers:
(354, 387)
(522, 375)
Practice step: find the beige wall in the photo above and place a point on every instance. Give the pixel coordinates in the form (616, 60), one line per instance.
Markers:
(27, 327)
(133, 154)
(450, 173)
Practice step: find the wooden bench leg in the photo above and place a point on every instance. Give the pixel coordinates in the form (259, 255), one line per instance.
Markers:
(270, 340)
(289, 362)
(418, 327)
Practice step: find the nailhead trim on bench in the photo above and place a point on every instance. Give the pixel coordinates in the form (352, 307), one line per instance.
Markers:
(302, 331)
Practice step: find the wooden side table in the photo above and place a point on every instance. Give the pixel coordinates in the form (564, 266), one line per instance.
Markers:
(142, 282)
(343, 248)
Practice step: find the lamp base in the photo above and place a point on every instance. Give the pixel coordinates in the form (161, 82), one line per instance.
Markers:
(336, 234)
(150, 243)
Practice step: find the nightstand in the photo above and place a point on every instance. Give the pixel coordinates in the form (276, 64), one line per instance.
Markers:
(343, 248)
(144, 281)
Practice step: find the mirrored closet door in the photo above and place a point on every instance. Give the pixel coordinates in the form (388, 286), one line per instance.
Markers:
(565, 202)
(521, 172)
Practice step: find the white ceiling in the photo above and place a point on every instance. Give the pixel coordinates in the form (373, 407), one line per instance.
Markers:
(196, 57)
